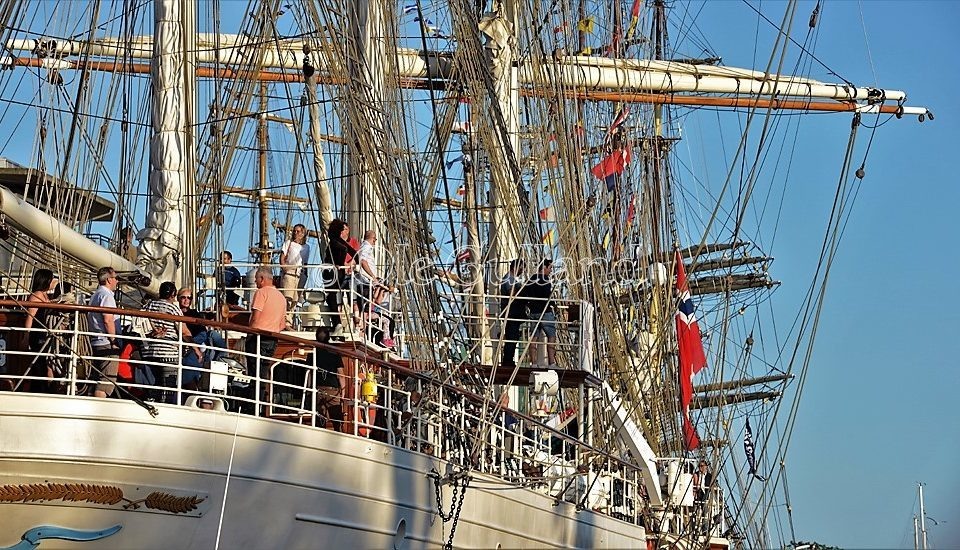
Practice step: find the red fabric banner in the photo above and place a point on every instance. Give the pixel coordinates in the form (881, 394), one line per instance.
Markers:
(692, 358)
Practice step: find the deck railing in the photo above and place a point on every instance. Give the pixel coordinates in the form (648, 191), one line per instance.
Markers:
(411, 410)
(339, 301)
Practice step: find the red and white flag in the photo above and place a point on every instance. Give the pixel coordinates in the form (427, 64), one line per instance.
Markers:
(692, 358)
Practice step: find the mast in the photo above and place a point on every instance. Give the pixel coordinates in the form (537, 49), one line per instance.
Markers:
(655, 149)
(366, 66)
(916, 533)
(499, 27)
(322, 192)
(923, 519)
(191, 245)
(162, 247)
(478, 326)
(264, 248)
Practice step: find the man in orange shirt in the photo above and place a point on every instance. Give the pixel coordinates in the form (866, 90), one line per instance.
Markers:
(268, 309)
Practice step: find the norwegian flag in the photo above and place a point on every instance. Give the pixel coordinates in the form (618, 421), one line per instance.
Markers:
(692, 359)
(618, 121)
(614, 163)
(749, 451)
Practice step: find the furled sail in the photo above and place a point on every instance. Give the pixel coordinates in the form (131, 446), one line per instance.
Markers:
(161, 240)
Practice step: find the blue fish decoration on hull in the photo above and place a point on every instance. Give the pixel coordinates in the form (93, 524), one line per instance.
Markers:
(31, 539)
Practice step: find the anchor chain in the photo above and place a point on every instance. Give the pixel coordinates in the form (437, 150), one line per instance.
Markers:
(459, 490)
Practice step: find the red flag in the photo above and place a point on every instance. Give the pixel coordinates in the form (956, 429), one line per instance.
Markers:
(615, 163)
(692, 359)
(463, 256)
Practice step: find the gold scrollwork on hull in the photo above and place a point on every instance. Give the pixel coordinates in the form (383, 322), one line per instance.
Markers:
(97, 494)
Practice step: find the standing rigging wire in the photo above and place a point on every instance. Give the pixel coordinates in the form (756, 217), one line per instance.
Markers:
(226, 119)
(843, 199)
(802, 48)
(216, 218)
(441, 150)
(791, 523)
(752, 178)
(866, 42)
(605, 304)
(126, 32)
(297, 124)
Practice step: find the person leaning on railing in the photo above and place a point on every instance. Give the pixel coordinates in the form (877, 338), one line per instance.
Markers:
(268, 310)
(538, 291)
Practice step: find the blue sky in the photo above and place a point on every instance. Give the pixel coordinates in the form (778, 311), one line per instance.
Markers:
(877, 414)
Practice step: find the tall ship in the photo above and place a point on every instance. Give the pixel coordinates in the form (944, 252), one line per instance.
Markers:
(514, 312)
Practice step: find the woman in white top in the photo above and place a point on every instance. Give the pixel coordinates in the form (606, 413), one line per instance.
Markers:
(293, 256)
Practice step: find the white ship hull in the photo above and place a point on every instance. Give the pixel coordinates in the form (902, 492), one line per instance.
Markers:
(289, 486)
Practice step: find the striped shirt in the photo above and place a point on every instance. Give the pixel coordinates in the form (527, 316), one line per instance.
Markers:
(165, 346)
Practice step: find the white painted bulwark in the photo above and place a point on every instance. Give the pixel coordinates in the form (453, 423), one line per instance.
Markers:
(290, 486)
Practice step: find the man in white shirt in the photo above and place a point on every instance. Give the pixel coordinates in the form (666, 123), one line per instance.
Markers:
(369, 284)
(371, 289)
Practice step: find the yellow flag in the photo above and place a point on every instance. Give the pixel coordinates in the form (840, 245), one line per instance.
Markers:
(550, 238)
(585, 24)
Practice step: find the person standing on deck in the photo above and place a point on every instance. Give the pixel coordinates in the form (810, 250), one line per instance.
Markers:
(538, 292)
(329, 371)
(294, 255)
(510, 284)
(268, 310)
(44, 282)
(702, 487)
(105, 346)
(514, 308)
(232, 279)
(338, 232)
(125, 247)
(367, 280)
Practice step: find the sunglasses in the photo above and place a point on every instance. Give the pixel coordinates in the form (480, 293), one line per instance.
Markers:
(185, 297)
